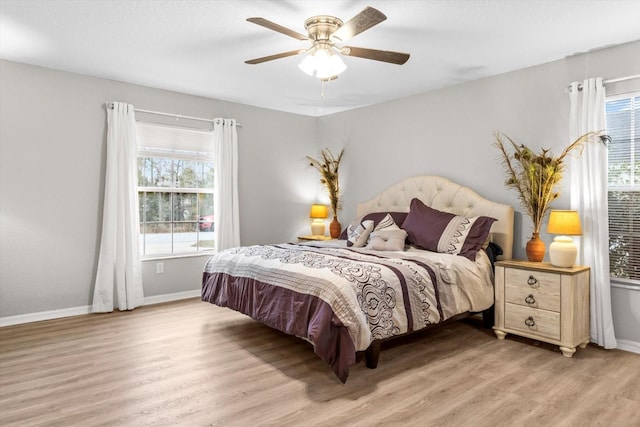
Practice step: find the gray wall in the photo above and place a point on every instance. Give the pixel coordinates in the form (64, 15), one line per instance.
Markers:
(449, 132)
(52, 138)
(52, 161)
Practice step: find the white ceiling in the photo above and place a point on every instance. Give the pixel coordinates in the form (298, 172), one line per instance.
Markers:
(199, 47)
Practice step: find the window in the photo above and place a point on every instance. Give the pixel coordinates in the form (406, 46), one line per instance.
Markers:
(623, 126)
(175, 189)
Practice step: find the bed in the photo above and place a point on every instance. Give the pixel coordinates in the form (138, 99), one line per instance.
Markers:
(415, 256)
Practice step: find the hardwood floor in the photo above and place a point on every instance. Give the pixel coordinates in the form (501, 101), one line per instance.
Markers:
(190, 363)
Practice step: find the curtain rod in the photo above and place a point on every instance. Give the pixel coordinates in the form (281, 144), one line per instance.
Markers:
(620, 79)
(177, 116)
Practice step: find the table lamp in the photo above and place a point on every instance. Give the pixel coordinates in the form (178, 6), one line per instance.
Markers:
(318, 213)
(562, 251)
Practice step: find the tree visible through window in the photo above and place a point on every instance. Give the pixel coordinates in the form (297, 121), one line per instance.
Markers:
(623, 126)
(175, 189)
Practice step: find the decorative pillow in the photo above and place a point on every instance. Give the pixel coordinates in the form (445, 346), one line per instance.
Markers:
(387, 240)
(376, 217)
(359, 233)
(444, 232)
(387, 223)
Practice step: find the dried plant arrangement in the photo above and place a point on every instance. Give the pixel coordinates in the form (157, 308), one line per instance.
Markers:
(535, 175)
(328, 165)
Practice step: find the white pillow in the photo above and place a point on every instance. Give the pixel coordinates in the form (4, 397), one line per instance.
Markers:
(358, 233)
(387, 240)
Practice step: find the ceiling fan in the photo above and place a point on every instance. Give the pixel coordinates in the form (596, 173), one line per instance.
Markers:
(324, 32)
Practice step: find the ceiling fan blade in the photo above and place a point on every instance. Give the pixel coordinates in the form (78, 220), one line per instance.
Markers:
(359, 23)
(279, 28)
(377, 55)
(272, 57)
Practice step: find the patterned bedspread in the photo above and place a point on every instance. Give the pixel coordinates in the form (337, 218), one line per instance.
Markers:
(341, 299)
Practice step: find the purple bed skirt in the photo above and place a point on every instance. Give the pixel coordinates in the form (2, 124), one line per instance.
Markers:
(287, 311)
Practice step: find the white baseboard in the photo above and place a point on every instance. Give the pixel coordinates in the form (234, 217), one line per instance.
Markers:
(44, 315)
(158, 299)
(628, 345)
(78, 311)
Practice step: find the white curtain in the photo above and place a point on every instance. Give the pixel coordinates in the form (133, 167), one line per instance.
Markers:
(589, 197)
(119, 264)
(225, 197)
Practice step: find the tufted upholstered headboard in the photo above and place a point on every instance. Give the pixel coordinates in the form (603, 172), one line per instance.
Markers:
(445, 195)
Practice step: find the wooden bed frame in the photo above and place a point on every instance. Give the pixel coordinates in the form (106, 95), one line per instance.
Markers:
(444, 195)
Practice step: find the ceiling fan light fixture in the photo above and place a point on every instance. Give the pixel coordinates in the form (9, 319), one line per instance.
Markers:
(322, 64)
(323, 59)
(334, 66)
(308, 64)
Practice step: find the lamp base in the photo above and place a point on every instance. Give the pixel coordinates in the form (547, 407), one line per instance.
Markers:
(317, 227)
(563, 252)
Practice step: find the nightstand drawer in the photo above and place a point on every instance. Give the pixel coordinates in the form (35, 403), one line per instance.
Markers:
(533, 289)
(533, 321)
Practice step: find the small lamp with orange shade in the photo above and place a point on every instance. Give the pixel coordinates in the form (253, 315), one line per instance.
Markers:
(563, 252)
(318, 214)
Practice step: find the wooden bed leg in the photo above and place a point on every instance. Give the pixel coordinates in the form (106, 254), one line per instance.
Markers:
(372, 355)
(488, 317)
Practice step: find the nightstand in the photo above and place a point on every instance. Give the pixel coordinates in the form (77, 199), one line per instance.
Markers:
(537, 300)
(317, 238)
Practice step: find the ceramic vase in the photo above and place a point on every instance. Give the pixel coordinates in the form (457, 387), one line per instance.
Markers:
(535, 248)
(335, 228)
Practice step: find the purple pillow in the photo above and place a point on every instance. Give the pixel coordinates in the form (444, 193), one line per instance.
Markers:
(376, 217)
(444, 232)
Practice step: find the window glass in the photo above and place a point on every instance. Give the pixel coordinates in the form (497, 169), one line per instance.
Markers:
(623, 126)
(175, 189)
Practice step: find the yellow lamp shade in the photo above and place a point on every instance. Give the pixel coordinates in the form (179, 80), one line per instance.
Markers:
(564, 222)
(319, 212)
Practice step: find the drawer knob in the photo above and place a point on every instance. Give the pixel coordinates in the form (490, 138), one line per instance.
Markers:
(530, 299)
(532, 281)
(530, 322)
